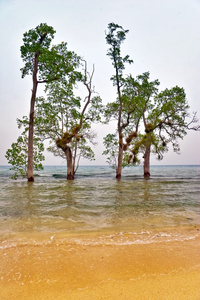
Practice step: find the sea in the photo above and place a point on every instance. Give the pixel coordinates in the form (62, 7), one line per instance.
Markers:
(97, 208)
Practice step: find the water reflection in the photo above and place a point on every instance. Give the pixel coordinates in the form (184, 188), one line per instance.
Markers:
(97, 204)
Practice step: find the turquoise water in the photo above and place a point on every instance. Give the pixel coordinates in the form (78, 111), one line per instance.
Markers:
(95, 202)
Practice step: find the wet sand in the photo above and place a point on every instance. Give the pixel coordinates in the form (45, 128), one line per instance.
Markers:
(71, 270)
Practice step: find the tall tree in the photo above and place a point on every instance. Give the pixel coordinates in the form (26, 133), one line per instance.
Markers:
(114, 38)
(66, 121)
(45, 64)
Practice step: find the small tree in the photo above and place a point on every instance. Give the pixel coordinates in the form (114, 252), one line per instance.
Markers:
(17, 155)
(45, 64)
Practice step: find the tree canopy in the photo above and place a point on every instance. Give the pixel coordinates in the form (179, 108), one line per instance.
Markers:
(165, 120)
(66, 121)
(147, 119)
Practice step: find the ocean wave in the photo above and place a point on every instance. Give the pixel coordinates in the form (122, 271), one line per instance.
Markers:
(116, 239)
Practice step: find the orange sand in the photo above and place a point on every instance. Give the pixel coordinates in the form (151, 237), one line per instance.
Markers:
(163, 270)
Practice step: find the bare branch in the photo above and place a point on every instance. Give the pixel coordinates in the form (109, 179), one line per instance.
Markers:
(194, 120)
(89, 88)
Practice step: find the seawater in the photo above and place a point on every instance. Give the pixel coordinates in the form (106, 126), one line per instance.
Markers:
(132, 210)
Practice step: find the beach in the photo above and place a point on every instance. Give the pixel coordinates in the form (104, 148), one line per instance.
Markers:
(92, 268)
(98, 238)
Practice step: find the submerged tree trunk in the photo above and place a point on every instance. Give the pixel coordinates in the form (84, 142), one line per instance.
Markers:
(70, 166)
(119, 127)
(120, 158)
(147, 161)
(31, 122)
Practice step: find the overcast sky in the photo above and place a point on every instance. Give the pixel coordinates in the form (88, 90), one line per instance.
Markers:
(163, 38)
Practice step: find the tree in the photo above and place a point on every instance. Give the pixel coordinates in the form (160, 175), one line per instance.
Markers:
(136, 95)
(165, 120)
(66, 121)
(130, 123)
(17, 155)
(114, 38)
(45, 64)
(143, 91)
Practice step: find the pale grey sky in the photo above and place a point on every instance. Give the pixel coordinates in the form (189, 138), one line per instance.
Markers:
(163, 39)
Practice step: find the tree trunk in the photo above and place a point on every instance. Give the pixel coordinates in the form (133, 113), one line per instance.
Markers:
(120, 158)
(119, 127)
(147, 161)
(31, 122)
(70, 167)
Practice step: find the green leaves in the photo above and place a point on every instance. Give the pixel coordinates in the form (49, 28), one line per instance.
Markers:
(35, 41)
(169, 115)
(66, 120)
(58, 63)
(115, 37)
(53, 63)
(164, 115)
(95, 110)
(17, 155)
(111, 145)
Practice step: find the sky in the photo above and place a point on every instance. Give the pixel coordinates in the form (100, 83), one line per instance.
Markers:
(163, 39)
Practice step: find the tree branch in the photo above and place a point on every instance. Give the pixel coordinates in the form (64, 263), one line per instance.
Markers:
(47, 81)
(194, 120)
(88, 86)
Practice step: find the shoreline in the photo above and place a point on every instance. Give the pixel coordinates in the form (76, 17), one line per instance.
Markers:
(65, 269)
(101, 239)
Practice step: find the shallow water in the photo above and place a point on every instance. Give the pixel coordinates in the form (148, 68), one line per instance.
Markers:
(95, 203)
(98, 238)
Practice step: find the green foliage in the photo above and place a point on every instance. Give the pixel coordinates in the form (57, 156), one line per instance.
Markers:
(140, 92)
(115, 37)
(111, 111)
(164, 114)
(17, 155)
(65, 120)
(35, 41)
(53, 63)
(137, 99)
(95, 110)
(111, 145)
(169, 116)
(139, 145)
(85, 151)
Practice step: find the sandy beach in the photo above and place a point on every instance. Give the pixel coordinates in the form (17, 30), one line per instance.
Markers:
(101, 239)
(71, 270)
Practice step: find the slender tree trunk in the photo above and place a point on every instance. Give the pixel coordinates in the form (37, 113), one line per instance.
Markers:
(119, 127)
(147, 161)
(120, 157)
(31, 122)
(70, 167)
